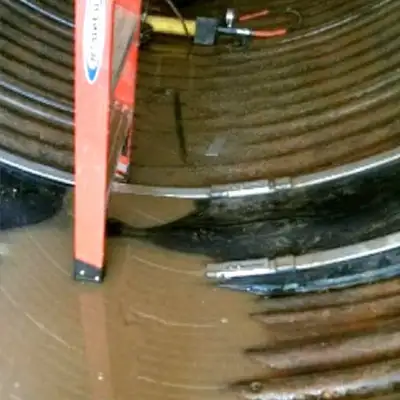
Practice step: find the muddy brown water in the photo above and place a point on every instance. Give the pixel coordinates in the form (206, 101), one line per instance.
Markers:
(157, 329)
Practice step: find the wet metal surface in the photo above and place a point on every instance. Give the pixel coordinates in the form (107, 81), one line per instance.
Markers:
(324, 96)
(339, 345)
(289, 223)
(288, 105)
(292, 243)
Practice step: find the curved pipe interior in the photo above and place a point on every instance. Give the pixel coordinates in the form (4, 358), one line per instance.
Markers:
(240, 189)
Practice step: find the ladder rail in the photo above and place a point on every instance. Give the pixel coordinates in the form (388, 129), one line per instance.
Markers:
(107, 34)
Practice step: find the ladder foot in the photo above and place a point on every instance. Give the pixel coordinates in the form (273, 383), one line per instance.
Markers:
(84, 272)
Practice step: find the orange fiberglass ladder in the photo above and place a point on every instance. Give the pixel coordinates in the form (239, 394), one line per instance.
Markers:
(107, 37)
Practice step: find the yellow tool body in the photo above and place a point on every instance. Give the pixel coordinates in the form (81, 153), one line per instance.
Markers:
(171, 26)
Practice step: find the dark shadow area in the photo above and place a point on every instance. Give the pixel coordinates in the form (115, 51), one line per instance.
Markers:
(26, 200)
(291, 222)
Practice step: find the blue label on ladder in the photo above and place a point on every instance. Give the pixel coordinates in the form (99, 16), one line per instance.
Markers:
(94, 33)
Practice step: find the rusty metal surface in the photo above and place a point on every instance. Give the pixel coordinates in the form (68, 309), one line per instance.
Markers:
(338, 345)
(331, 85)
(332, 90)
